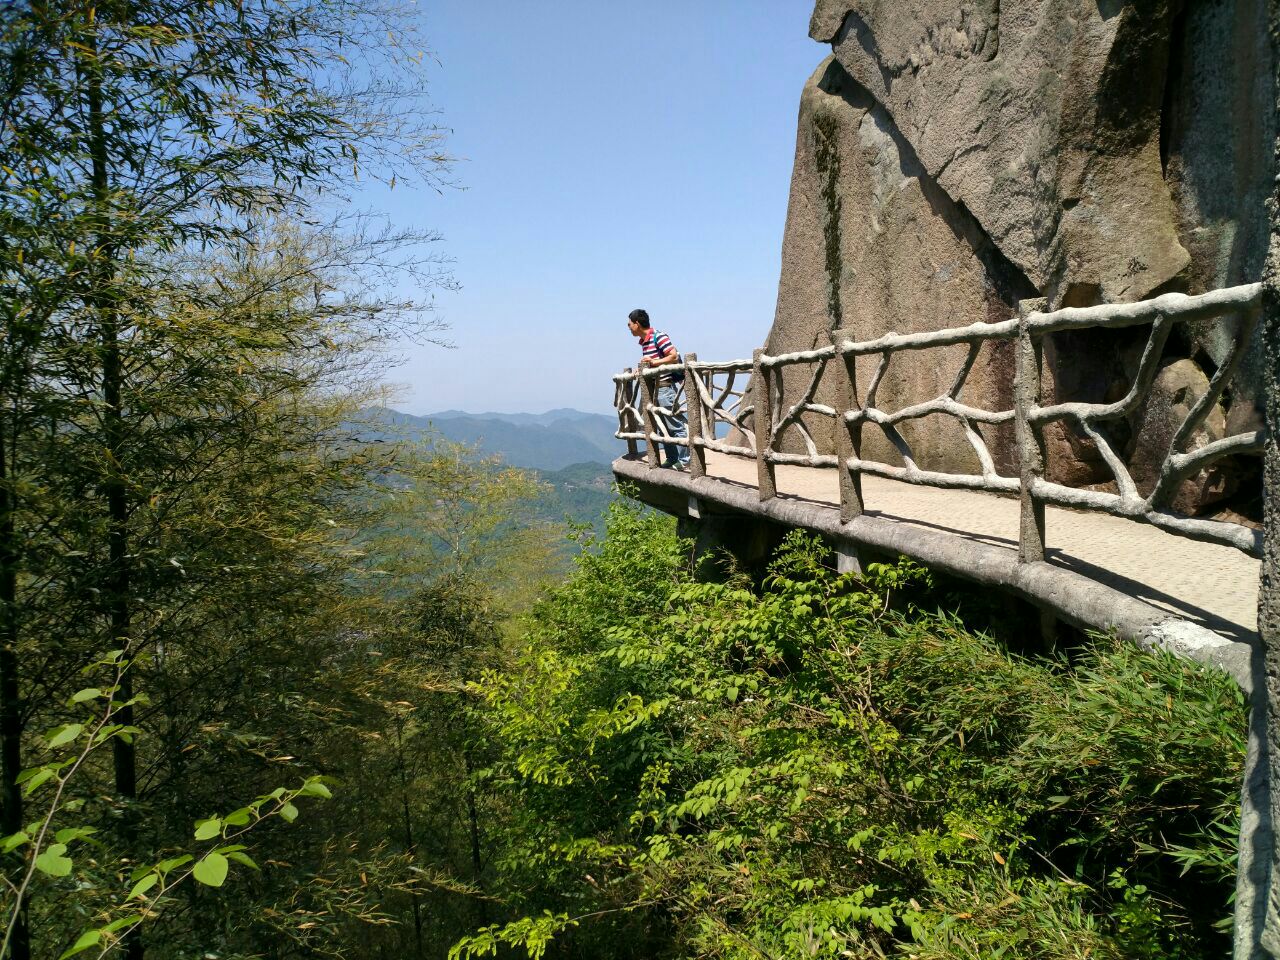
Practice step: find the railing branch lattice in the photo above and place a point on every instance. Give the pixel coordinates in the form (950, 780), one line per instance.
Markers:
(722, 420)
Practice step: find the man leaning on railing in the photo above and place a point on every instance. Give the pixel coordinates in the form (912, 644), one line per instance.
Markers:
(657, 350)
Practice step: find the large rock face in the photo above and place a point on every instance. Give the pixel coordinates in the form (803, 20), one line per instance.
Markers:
(1042, 118)
(956, 156)
(1219, 115)
(873, 241)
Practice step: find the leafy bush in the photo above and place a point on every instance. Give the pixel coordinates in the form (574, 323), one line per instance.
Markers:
(818, 768)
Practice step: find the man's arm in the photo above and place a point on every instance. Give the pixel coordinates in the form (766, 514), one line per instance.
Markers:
(671, 357)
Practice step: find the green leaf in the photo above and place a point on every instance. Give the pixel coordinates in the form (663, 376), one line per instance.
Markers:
(208, 829)
(164, 866)
(289, 812)
(89, 693)
(52, 861)
(237, 818)
(142, 886)
(36, 779)
(314, 788)
(87, 939)
(64, 734)
(70, 834)
(212, 870)
(243, 858)
(121, 923)
(14, 841)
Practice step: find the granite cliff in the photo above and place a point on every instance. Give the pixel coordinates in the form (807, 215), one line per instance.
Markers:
(953, 158)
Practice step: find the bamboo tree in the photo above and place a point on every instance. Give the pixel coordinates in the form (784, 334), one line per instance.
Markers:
(102, 300)
(135, 134)
(11, 806)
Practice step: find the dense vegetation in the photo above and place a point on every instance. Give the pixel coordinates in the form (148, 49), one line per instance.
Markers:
(821, 767)
(270, 688)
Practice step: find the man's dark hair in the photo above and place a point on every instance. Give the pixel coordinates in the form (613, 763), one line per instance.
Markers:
(639, 316)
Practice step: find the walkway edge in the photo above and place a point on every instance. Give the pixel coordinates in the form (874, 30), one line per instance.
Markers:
(1071, 596)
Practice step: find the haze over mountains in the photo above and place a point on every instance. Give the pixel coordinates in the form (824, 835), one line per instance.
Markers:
(538, 441)
(570, 450)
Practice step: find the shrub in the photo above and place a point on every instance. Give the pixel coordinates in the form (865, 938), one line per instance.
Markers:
(818, 768)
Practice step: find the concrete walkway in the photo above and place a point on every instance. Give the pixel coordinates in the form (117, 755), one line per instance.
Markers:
(1207, 584)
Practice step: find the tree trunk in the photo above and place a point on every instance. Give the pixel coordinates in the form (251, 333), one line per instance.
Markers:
(114, 434)
(11, 807)
(410, 843)
(477, 861)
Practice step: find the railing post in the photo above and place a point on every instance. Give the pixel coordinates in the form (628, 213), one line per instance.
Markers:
(633, 448)
(848, 435)
(693, 413)
(647, 400)
(1026, 396)
(762, 393)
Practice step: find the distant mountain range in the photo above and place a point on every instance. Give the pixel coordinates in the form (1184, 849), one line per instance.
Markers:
(539, 441)
(570, 450)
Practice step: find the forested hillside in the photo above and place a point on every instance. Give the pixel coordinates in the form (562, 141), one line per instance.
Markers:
(568, 450)
(272, 686)
(578, 494)
(548, 441)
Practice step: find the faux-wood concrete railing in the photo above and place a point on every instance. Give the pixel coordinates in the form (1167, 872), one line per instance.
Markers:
(718, 398)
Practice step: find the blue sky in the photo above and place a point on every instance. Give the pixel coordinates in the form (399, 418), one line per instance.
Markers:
(612, 156)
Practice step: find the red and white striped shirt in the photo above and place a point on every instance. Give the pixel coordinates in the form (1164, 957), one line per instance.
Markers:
(657, 345)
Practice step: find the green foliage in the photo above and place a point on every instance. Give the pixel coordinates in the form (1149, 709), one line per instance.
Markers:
(47, 847)
(532, 934)
(448, 513)
(819, 768)
(185, 343)
(580, 493)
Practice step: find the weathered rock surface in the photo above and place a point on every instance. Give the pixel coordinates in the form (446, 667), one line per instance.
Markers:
(1090, 366)
(873, 244)
(957, 156)
(1042, 117)
(1219, 124)
(1174, 392)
